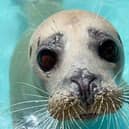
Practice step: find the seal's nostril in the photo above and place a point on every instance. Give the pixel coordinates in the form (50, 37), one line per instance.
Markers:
(87, 86)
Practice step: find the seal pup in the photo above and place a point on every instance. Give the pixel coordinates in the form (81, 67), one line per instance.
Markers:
(68, 71)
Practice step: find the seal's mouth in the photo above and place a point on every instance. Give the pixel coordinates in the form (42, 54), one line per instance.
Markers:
(62, 105)
(88, 116)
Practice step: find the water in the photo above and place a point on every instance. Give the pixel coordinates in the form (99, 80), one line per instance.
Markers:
(13, 22)
(9, 32)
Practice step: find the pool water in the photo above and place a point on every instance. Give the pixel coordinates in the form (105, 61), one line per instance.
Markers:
(16, 18)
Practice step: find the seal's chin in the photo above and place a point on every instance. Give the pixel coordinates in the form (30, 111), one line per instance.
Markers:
(64, 106)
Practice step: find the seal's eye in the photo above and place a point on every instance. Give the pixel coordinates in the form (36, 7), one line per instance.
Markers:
(109, 51)
(47, 59)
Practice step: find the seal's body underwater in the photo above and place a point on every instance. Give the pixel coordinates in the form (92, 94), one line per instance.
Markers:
(67, 70)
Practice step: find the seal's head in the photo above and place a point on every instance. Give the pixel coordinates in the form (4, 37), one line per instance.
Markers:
(78, 57)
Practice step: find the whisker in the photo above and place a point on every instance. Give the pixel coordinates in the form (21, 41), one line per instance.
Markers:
(30, 101)
(46, 123)
(44, 119)
(94, 111)
(62, 125)
(57, 109)
(73, 120)
(117, 74)
(125, 97)
(116, 116)
(78, 116)
(50, 124)
(56, 124)
(76, 123)
(122, 84)
(20, 103)
(34, 95)
(124, 116)
(19, 124)
(54, 24)
(102, 120)
(124, 100)
(68, 125)
(126, 92)
(23, 109)
(69, 115)
(40, 110)
(99, 109)
(126, 87)
(109, 118)
(81, 108)
(99, 9)
(32, 86)
(53, 27)
(33, 113)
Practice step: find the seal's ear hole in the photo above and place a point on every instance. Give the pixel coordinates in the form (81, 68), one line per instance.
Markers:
(109, 51)
(47, 59)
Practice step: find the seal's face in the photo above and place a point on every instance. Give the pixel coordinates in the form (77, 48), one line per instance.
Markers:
(78, 58)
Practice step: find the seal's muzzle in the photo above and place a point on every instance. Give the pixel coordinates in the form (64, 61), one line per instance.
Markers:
(88, 84)
(84, 95)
